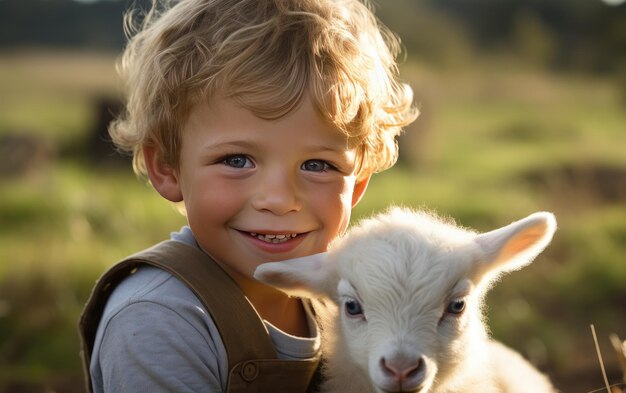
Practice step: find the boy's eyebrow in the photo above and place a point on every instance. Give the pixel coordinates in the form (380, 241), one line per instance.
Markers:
(332, 149)
(250, 145)
(229, 144)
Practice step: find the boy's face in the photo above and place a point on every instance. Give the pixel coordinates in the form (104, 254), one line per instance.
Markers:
(261, 190)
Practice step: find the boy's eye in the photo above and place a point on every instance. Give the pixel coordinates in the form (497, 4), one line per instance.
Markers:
(238, 161)
(316, 166)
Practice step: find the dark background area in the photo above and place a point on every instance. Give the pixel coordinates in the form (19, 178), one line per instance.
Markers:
(582, 34)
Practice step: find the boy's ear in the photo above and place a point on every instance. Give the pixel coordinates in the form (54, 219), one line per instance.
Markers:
(359, 189)
(163, 177)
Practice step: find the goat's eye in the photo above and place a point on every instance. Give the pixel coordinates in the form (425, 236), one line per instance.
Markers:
(353, 308)
(456, 306)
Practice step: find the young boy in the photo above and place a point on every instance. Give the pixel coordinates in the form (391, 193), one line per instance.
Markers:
(265, 119)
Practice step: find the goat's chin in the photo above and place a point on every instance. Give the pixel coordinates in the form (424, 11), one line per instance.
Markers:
(424, 389)
(387, 385)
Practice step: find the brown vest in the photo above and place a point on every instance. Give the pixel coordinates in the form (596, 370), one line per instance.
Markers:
(252, 359)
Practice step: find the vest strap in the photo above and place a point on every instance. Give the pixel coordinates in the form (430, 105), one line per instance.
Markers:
(242, 330)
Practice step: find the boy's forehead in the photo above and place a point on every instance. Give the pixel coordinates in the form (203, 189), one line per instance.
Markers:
(220, 113)
(224, 109)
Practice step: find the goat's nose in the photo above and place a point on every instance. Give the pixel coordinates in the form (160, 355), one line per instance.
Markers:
(402, 370)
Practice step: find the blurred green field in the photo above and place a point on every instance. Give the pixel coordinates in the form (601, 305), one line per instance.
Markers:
(495, 142)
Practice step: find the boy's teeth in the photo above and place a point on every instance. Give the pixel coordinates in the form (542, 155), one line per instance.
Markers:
(274, 238)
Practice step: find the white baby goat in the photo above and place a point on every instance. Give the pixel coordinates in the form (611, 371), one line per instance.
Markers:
(410, 288)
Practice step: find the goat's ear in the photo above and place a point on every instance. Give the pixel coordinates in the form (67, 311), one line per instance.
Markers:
(308, 276)
(515, 245)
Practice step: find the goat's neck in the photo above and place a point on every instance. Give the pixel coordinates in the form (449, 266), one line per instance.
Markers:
(469, 368)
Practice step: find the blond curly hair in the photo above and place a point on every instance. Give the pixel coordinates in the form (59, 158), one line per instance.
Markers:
(265, 55)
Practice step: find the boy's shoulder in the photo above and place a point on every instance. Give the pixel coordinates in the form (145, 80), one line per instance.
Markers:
(152, 312)
(153, 296)
(154, 285)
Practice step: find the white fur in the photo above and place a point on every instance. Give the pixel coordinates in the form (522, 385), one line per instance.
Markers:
(404, 268)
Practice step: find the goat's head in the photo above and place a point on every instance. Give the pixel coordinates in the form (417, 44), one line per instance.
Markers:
(410, 288)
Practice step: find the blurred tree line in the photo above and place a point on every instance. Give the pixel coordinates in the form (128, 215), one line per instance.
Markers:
(586, 35)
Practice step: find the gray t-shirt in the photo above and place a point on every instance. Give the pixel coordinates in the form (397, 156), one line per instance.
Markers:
(155, 336)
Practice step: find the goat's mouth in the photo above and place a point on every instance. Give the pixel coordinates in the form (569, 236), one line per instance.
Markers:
(404, 387)
(410, 390)
(273, 238)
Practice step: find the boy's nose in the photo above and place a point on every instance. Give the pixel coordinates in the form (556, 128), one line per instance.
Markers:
(277, 194)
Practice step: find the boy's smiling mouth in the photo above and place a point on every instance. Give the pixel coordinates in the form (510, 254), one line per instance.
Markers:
(273, 238)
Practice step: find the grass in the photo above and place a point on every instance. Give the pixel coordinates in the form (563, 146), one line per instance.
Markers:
(491, 147)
